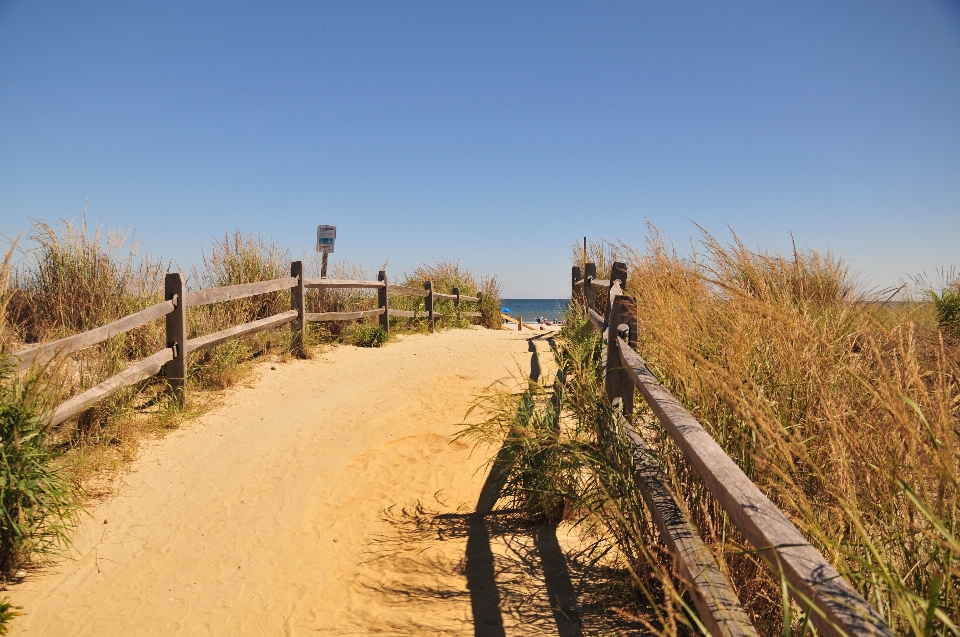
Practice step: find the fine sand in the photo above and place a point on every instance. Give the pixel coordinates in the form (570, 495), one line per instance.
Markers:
(324, 497)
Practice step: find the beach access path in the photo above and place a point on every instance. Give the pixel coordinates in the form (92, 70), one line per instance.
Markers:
(325, 497)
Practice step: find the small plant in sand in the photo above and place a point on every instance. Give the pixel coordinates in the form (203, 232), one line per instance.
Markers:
(8, 612)
(368, 336)
(535, 469)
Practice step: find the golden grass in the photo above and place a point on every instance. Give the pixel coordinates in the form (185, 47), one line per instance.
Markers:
(72, 278)
(842, 409)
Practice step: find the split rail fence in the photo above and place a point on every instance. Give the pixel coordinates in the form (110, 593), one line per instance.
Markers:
(174, 310)
(835, 607)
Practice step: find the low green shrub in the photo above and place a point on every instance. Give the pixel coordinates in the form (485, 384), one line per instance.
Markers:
(947, 304)
(37, 499)
(369, 336)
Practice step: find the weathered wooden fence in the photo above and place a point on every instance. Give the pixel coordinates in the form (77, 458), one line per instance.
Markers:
(835, 607)
(174, 309)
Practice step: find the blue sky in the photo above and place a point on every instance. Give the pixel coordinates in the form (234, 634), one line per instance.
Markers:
(493, 133)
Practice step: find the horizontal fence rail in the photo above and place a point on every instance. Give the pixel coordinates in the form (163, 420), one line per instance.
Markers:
(133, 374)
(173, 357)
(404, 289)
(319, 317)
(234, 292)
(214, 339)
(340, 283)
(46, 352)
(518, 322)
(713, 596)
(835, 607)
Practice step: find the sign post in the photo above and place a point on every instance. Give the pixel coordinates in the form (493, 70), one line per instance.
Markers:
(326, 237)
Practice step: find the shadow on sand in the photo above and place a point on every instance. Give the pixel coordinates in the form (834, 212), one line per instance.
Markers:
(519, 579)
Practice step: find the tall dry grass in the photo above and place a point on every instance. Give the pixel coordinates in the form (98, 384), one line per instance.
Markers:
(842, 409)
(75, 277)
(447, 275)
(72, 278)
(234, 260)
(843, 412)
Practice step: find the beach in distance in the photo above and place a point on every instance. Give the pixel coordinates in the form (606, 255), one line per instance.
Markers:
(530, 309)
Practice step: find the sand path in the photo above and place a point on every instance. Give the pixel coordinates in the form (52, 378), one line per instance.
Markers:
(327, 497)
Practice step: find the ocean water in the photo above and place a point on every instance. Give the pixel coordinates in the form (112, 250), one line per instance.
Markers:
(530, 309)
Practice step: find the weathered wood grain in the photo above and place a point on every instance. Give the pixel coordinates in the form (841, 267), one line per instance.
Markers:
(233, 292)
(383, 301)
(45, 352)
(618, 272)
(407, 290)
(714, 597)
(628, 331)
(299, 326)
(176, 335)
(612, 369)
(341, 283)
(133, 374)
(595, 319)
(590, 294)
(576, 285)
(428, 304)
(471, 299)
(210, 340)
(320, 317)
(786, 551)
(600, 283)
(449, 297)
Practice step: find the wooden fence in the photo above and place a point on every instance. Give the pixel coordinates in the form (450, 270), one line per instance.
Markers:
(174, 309)
(835, 607)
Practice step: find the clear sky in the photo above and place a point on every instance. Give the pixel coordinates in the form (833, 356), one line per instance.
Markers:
(493, 133)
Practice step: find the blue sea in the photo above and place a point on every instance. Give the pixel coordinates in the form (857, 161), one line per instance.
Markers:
(530, 309)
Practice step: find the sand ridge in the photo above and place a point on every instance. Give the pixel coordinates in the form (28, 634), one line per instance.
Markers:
(329, 498)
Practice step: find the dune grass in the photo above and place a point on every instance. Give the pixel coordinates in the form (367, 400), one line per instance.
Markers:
(842, 409)
(72, 278)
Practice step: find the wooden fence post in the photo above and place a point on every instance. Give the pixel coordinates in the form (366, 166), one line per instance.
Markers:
(618, 272)
(456, 302)
(428, 286)
(612, 372)
(480, 306)
(627, 330)
(576, 275)
(299, 326)
(382, 302)
(176, 336)
(589, 294)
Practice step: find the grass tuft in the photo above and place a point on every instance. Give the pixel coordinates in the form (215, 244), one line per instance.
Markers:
(368, 336)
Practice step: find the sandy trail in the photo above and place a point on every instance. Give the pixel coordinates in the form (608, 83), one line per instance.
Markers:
(327, 497)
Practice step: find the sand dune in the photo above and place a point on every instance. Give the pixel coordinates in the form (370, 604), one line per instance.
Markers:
(326, 498)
